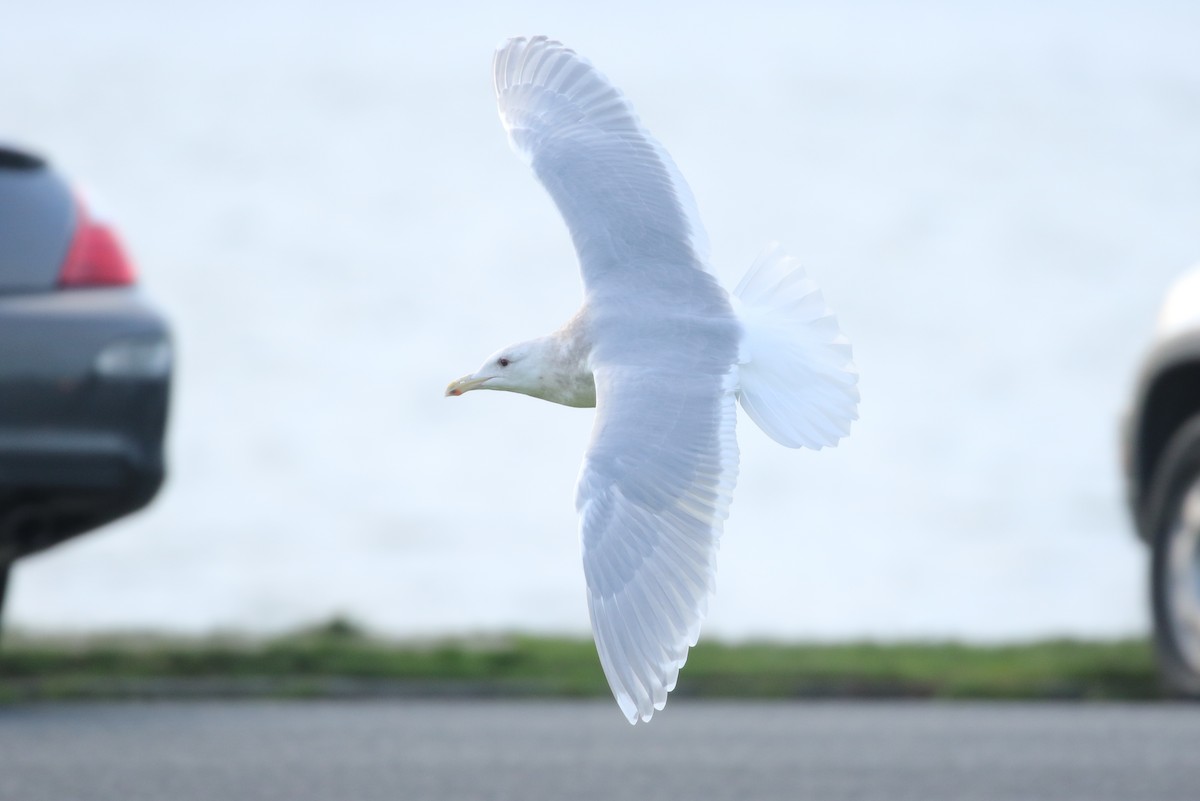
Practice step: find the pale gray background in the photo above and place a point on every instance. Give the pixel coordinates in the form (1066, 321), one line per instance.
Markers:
(321, 197)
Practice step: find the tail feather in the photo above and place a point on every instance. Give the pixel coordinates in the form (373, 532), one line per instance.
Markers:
(797, 376)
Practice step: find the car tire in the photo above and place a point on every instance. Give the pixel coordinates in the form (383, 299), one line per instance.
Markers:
(1174, 521)
(4, 568)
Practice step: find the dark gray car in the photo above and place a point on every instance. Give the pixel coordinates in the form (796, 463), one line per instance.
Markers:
(85, 368)
(1162, 465)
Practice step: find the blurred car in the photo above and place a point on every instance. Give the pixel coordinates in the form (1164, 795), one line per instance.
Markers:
(85, 368)
(1162, 467)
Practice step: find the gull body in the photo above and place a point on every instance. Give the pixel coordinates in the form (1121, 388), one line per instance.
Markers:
(664, 353)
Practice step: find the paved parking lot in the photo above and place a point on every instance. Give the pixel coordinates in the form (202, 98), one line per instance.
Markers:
(584, 750)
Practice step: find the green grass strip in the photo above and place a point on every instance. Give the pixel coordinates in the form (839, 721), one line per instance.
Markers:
(338, 659)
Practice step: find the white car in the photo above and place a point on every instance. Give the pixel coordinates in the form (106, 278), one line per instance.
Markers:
(1162, 468)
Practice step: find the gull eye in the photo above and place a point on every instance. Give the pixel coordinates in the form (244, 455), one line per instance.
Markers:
(503, 362)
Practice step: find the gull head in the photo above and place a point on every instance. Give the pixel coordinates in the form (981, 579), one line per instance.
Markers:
(552, 368)
(516, 368)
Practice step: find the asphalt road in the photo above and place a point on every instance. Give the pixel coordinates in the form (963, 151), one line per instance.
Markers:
(400, 750)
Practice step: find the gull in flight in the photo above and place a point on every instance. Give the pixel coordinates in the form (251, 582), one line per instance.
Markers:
(664, 354)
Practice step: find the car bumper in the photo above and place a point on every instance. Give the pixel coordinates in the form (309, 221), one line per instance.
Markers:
(84, 388)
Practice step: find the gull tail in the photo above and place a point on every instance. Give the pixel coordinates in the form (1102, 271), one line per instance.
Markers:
(797, 376)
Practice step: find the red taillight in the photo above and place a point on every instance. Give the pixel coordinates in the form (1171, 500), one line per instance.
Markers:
(95, 257)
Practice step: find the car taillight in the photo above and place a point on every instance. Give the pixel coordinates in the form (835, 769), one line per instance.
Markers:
(95, 257)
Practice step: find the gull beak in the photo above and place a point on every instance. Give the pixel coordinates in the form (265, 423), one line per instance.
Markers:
(465, 384)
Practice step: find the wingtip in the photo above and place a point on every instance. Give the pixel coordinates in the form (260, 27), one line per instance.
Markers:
(524, 45)
(516, 59)
(628, 707)
(636, 716)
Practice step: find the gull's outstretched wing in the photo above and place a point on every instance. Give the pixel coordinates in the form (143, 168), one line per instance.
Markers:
(652, 497)
(658, 476)
(626, 205)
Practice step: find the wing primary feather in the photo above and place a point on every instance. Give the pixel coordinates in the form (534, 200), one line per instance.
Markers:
(667, 604)
(604, 650)
(643, 662)
(614, 639)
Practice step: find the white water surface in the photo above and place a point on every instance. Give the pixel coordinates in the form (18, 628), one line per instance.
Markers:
(319, 194)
